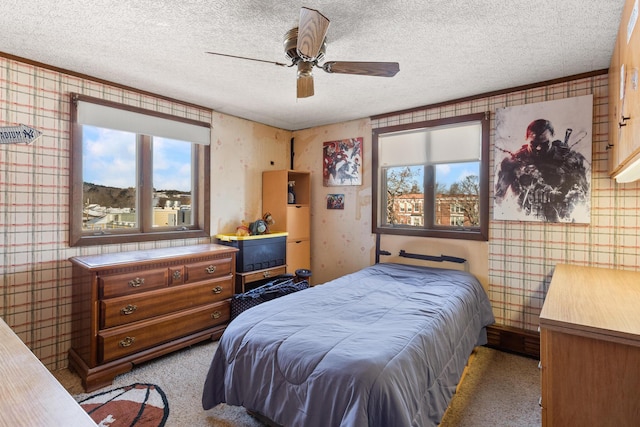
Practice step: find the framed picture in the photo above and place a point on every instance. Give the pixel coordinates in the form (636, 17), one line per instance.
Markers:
(543, 161)
(335, 201)
(342, 162)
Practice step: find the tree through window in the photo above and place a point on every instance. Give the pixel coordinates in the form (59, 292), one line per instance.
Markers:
(431, 178)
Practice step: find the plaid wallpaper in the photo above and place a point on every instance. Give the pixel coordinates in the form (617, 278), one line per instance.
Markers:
(522, 254)
(35, 282)
(35, 276)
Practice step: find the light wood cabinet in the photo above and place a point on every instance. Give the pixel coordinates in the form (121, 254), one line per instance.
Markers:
(624, 93)
(31, 396)
(294, 218)
(590, 348)
(298, 253)
(130, 307)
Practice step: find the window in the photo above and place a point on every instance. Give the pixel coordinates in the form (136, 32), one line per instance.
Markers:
(136, 175)
(442, 167)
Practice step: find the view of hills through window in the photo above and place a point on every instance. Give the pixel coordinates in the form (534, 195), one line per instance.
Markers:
(111, 194)
(112, 207)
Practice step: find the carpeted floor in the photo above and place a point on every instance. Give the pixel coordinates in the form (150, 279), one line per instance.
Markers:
(500, 389)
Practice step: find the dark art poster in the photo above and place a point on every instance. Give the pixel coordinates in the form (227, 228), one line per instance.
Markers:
(543, 161)
(342, 162)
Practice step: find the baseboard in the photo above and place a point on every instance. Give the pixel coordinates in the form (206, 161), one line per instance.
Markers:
(514, 340)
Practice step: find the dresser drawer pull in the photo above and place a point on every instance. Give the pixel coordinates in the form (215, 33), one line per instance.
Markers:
(129, 309)
(216, 314)
(217, 290)
(211, 269)
(136, 283)
(177, 275)
(127, 342)
(266, 274)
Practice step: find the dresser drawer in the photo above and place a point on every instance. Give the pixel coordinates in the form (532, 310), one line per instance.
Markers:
(129, 283)
(125, 340)
(207, 269)
(264, 274)
(132, 308)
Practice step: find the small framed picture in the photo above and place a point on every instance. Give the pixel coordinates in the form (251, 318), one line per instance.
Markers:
(335, 201)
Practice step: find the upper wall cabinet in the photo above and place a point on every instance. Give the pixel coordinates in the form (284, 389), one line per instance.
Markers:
(624, 98)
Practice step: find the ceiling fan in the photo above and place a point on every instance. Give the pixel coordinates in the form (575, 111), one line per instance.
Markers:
(306, 45)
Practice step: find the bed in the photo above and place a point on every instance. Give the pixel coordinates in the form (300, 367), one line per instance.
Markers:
(383, 346)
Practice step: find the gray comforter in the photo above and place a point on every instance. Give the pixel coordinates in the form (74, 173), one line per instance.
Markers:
(384, 346)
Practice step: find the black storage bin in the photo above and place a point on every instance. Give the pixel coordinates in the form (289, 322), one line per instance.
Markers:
(257, 252)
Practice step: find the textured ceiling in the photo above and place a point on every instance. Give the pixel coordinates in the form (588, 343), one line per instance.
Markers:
(447, 49)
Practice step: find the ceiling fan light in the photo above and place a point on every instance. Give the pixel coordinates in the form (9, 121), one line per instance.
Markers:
(305, 69)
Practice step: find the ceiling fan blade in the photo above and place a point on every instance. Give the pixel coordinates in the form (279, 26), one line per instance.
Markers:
(312, 30)
(250, 59)
(305, 80)
(305, 87)
(379, 69)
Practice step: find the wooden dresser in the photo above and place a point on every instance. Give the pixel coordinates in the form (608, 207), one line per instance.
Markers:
(130, 307)
(590, 348)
